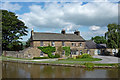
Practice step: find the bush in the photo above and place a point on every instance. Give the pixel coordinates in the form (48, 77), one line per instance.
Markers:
(85, 55)
(74, 57)
(89, 65)
(40, 57)
(48, 50)
(79, 56)
(57, 55)
(67, 50)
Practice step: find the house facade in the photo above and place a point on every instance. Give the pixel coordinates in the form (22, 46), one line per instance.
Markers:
(76, 43)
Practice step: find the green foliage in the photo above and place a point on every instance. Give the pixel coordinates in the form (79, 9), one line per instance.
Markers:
(74, 57)
(89, 65)
(40, 57)
(27, 43)
(67, 50)
(99, 39)
(48, 50)
(57, 55)
(12, 30)
(113, 36)
(79, 56)
(85, 55)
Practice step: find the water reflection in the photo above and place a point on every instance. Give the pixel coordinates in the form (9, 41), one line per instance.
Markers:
(17, 70)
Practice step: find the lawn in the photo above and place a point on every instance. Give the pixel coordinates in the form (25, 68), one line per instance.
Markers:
(82, 59)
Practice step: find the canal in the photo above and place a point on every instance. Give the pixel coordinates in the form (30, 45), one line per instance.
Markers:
(19, 70)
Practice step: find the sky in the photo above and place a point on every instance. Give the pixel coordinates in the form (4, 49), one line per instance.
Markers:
(90, 18)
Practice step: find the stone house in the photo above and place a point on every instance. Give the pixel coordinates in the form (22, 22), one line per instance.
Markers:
(74, 41)
(77, 44)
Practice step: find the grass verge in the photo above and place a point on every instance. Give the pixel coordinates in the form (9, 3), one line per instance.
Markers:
(83, 59)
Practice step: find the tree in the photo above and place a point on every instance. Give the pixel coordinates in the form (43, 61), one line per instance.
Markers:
(113, 36)
(27, 43)
(12, 30)
(99, 39)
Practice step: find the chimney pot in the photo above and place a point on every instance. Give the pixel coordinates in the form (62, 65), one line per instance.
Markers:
(77, 33)
(63, 31)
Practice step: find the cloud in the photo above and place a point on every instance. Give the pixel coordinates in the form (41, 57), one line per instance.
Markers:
(71, 15)
(94, 28)
(89, 34)
(10, 7)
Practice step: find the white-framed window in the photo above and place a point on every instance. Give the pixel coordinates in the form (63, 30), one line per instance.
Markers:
(53, 53)
(41, 43)
(73, 44)
(88, 51)
(41, 53)
(53, 43)
(63, 44)
(80, 52)
(77, 52)
(80, 44)
(29, 55)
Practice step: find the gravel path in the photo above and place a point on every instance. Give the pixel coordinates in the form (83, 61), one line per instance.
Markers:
(107, 59)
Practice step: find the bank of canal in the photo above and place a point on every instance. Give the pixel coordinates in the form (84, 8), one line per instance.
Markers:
(19, 70)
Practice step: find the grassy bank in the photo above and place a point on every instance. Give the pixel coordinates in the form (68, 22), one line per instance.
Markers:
(83, 59)
(80, 62)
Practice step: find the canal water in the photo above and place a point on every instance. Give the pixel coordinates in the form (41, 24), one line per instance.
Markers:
(19, 70)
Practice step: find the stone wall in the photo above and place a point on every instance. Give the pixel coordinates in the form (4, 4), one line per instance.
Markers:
(26, 53)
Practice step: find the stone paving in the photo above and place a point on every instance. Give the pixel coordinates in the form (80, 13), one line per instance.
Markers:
(107, 59)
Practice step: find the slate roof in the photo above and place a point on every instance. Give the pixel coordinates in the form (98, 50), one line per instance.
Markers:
(92, 45)
(56, 36)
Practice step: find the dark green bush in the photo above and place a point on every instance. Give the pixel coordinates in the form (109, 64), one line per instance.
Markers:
(57, 55)
(67, 50)
(40, 57)
(48, 50)
(89, 65)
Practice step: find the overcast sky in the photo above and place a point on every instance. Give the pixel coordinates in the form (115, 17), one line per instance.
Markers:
(90, 18)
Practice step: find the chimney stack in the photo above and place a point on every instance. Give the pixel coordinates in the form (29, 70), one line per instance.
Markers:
(32, 32)
(63, 31)
(77, 33)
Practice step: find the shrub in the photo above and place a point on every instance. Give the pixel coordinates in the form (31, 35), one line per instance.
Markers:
(89, 65)
(74, 57)
(85, 55)
(48, 50)
(79, 56)
(57, 55)
(40, 57)
(67, 50)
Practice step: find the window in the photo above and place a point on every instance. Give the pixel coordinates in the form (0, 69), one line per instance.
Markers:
(88, 51)
(73, 44)
(41, 43)
(63, 44)
(41, 53)
(77, 52)
(53, 43)
(80, 44)
(80, 52)
(63, 53)
(29, 55)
